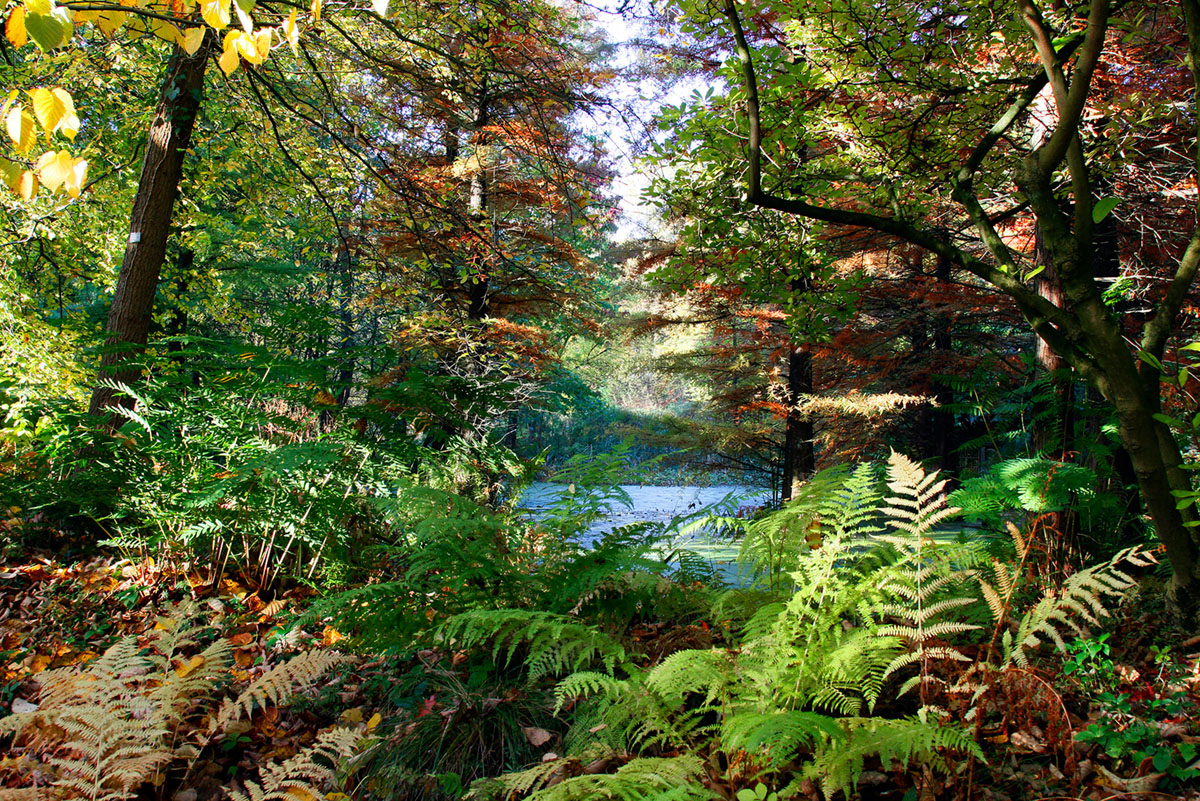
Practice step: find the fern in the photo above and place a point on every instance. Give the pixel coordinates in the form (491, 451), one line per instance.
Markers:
(115, 725)
(925, 569)
(114, 740)
(688, 672)
(1082, 595)
(836, 503)
(838, 766)
(304, 776)
(645, 779)
(279, 683)
(778, 736)
(551, 644)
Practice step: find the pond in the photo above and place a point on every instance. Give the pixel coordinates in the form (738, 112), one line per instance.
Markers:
(661, 505)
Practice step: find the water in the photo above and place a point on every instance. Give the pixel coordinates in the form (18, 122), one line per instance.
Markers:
(662, 505)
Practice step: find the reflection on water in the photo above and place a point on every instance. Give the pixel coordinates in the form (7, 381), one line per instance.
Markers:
(662, 505)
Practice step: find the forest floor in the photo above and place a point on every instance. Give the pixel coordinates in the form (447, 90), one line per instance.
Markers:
(1128, 727)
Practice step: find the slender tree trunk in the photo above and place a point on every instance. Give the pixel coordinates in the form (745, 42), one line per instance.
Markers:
(150, 222)
(943, 433)
(799, 458)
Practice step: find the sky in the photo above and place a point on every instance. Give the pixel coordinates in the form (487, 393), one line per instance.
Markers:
(634, 105)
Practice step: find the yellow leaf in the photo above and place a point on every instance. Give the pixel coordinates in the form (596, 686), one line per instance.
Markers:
(330, 635)
(20, 128)
(354, 715)
(291, 32)
(186, 669)
(14, 29)
(54, 168)
(29, 185)
(229, 61)
(48, 107)
(69, 125)
(10, 174)
(78, 178)
(39, 6)
(216, 14)
(165, 30)
(374, 721)
(191, 41)
(315, 10)
(262, 43)
(247, 48)
(109, 21)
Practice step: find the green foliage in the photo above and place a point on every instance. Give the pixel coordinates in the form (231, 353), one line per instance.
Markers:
(915, 738)
(549, 644)
(837, 504)
(643, 779)
(1024, 487)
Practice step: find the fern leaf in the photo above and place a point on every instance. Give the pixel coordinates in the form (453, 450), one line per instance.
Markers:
(839, 766)
(305, 775)
(279, 683)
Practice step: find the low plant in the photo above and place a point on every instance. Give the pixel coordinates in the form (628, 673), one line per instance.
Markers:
(135, 717)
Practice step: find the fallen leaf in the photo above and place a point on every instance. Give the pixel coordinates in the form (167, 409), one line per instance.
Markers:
(189, 667)
(536, 737)
(21, 707)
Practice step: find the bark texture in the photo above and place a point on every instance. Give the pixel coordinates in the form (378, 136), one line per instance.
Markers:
(150, 223)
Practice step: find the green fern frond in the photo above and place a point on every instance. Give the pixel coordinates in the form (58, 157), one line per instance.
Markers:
(778, 736)
(553, 644)
(684, 672)
(644, 779)
(839, 766)
(586, 683)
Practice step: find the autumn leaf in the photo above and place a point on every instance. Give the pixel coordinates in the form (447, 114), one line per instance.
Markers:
(290, 32)
(21, 131)
(28, 185)
(55, 110)
(229, 61)
(243, 8)
(10, 174)
(54, 168)
(189, 667)
(14, 29)
(216, 14)
(50, 30)
(109, 21)
(191, 41)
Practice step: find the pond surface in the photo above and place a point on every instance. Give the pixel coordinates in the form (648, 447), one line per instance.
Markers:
(662, 505)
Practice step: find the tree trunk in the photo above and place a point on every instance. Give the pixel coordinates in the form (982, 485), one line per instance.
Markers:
(150, 222)
(942, 433)
(799, 459)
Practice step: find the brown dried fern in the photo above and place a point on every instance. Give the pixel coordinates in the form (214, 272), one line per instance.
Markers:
(306, 775)
(279, 683)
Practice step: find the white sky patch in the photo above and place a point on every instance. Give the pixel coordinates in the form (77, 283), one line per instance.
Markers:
(623, 126)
